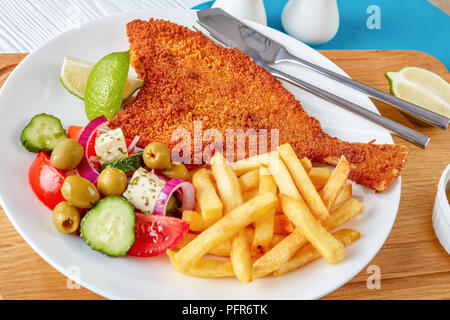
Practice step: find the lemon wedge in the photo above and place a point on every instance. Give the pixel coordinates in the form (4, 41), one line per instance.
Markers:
(421, 87)
(75, 73)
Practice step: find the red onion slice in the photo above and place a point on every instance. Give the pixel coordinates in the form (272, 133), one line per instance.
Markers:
(85, 168)
(169, 189)
(133, 144)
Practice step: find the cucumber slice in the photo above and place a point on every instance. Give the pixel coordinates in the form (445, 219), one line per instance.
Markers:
(128, 164)
(109, 226)
(42, 133)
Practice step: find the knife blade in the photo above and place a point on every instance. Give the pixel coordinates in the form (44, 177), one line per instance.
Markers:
(235, 33)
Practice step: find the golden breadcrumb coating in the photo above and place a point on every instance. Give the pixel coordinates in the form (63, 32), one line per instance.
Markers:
(189, 78)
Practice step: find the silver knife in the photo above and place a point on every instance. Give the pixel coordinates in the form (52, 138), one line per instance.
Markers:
(396, 128)
(235, 33)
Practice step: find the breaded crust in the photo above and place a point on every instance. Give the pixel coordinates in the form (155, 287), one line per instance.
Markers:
(188, 78)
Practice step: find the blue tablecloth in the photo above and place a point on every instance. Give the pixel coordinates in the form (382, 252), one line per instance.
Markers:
(405, 24)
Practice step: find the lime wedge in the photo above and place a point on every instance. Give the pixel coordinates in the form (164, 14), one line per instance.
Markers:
(421, 87)
(106, 84)
(75, 73)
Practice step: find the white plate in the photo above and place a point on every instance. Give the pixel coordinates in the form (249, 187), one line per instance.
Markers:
(34, 87)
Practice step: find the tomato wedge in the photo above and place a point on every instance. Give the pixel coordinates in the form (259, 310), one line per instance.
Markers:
(46, 181)
(156, 234)
(74, 132)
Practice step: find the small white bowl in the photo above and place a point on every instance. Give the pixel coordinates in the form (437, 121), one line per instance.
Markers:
(441, 212)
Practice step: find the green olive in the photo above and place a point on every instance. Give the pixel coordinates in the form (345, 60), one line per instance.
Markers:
(66, 217)
(177, 170)
(112, 182)
(172, 209)
(80, 192)
(67, 154)
(156, 156)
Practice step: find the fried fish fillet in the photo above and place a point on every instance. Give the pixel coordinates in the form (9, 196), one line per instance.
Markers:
(189, 78)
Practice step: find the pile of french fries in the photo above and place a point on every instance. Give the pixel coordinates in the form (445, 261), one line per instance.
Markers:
(266, 215)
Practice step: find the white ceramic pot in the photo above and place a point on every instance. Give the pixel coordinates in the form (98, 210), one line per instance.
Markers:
(312, 21)
(441, 211)
(246, 9)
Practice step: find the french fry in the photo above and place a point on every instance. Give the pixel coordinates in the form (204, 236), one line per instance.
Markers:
(250, 194)
(306, 164)
(230, 192)
(344, 195)
(303, 182)
(281, 252)
(225, 228)
(223, 249)
(213, 268)
(287, 247)
(210, 174)
(240, 257)
(227, 182)
(246, 165)
(253, 193)
(278, 209)
(249, 180)
(337, 180)
(281, 225)
(210, 205)
(289, 226)
(213, 180)
(266, 181)
(209, 268)
(186, 239)
(264, 226)
(252, 163)
(196, 207)
(282, 176)
(319, 176)
(276, 239)
(298, 212)
(196, 221)
(343, 214)
(204, 268)
(280, 243)
(309, 253)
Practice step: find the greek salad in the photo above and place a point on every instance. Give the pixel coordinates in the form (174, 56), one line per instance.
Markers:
(120, 199)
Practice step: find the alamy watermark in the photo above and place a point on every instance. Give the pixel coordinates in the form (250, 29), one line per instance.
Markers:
(374, 20)
(237, 144)
(74, 17)
(74, 277)
(374, 280)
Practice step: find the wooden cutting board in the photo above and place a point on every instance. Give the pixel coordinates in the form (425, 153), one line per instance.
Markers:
(412, 263)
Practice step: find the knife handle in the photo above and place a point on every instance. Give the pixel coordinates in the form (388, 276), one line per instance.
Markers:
(403, 105)
(407, 133)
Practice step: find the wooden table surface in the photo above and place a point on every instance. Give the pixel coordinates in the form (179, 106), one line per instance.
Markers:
(413, 264)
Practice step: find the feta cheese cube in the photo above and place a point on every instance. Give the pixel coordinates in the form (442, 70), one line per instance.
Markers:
(143, 190)
(111, 146)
